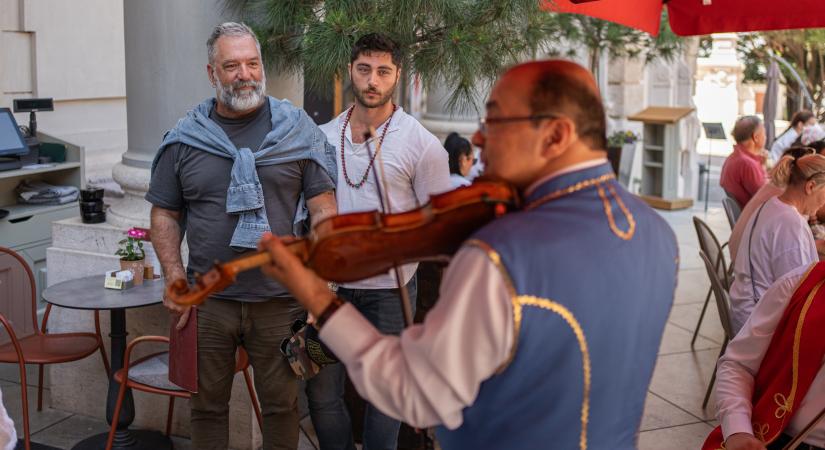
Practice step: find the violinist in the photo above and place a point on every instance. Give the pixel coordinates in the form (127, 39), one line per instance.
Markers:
(239, 142)
(549, 319)
(411, 164)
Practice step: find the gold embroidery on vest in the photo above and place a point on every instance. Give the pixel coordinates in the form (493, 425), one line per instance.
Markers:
(761, 430)
(608, 210)
(528, 300)
(784, 405)
(495, 258)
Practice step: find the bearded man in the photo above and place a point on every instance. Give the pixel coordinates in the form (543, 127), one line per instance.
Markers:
(411, 165)
(234, 167)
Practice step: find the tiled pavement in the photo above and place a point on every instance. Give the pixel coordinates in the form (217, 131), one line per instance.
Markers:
(673, 418)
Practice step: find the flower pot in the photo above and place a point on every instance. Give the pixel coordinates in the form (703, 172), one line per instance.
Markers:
(136, 267)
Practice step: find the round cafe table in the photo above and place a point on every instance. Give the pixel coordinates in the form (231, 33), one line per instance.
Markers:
(89, 293)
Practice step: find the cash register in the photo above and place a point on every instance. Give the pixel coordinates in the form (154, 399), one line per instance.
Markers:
(14, 150)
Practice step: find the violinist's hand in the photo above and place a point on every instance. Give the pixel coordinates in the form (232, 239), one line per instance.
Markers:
(743, 441)
(304, 284)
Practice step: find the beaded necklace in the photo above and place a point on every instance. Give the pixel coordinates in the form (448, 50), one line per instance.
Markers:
(372, 160)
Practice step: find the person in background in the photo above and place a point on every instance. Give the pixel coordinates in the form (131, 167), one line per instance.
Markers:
(777, 239)
(235, 166)
(785, 140)
(8, 435)
(810, 135)
(743, 172)
(412, 166)
(765, 392)
(762, 195)
(460, 153)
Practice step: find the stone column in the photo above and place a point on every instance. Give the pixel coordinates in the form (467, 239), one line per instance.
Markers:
(440, 121)
(165, 76)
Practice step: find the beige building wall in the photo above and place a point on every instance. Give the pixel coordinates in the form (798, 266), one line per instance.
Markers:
(72, 51)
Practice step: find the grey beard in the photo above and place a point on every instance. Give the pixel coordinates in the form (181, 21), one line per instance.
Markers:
(235, 100)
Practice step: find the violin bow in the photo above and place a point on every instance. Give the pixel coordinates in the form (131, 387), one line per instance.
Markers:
(406, 305)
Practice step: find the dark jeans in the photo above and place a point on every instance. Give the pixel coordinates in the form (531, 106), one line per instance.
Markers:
(223, 325)
(325, 391)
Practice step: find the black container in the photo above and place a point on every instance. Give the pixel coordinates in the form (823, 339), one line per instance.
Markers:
(91, 207)
(91, 194)
(96, 217)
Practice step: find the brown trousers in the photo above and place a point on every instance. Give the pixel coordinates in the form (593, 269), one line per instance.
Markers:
(223, 325)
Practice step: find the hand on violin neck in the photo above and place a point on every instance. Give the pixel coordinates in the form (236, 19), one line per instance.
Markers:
(306, 286)
(174, 308)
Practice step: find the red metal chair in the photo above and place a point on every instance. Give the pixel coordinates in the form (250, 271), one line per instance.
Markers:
(155, 380)
(28, 343)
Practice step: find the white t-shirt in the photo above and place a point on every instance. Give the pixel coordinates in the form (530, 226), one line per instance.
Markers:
(458, 181)
(782, 241)
(783, 143)
(416, 167)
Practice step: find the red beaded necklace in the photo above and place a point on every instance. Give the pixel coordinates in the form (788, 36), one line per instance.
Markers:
(372, 160)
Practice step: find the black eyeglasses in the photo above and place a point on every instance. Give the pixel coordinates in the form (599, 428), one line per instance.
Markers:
(484, 121)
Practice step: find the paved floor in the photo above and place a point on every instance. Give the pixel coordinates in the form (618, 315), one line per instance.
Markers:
(674, 418)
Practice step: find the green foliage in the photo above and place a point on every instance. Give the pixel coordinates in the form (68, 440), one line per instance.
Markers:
(131, 249)
(802, 49)
(463, 44)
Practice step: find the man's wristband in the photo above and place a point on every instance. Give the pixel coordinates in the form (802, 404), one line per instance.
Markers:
(328, 312)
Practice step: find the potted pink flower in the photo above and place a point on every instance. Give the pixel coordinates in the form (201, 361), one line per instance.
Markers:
(131, 253)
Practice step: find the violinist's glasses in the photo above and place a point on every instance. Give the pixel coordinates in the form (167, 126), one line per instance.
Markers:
(485, 121)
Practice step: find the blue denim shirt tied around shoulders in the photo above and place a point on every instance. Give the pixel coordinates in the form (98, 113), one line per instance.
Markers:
(294, 137)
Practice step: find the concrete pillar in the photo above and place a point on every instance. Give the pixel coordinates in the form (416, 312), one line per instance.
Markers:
(165, 76)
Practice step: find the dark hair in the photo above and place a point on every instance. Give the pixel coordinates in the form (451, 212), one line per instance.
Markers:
(456, 146)
(797, 152)
(798, 117)
(376, 42)
(556, 92)
(817, 145)
(745, 127)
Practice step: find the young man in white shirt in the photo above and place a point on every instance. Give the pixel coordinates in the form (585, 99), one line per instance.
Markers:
(411, 165)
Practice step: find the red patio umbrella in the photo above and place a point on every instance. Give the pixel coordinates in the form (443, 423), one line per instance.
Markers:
(695, 17)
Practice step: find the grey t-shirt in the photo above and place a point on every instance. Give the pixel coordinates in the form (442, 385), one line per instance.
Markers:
(194, 181)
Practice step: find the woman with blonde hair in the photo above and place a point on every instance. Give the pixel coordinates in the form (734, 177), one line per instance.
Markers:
(777, 239)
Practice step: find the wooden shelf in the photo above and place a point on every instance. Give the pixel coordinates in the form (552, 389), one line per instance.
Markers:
(25, 172)
(19, 210)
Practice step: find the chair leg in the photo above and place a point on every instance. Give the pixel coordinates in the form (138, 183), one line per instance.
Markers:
(701, 317)
(253, 398)
(170, 415)
(116, 414)
(40, 388)
(713, 377)
(24, 393)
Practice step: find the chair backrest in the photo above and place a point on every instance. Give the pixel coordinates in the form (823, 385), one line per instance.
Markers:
(713, 250)
(721, 295)
(17, 295)
(732, 210)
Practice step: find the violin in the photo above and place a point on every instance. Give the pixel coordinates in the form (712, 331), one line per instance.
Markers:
(356, 246)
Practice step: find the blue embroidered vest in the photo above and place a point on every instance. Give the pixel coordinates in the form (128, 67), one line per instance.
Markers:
(592, 272)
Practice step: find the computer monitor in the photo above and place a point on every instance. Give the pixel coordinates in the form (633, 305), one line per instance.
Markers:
(11, 140)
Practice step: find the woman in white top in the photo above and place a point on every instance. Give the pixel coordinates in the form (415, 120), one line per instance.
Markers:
(460, 157)
(784, 141)
(777, 239)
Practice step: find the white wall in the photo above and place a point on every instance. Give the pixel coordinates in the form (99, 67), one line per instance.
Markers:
(72, 51)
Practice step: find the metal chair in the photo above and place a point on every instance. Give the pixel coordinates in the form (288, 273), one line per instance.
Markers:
(28, 343)
(732, 210)
(723, 305)
(152, 375)
(709, 244)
